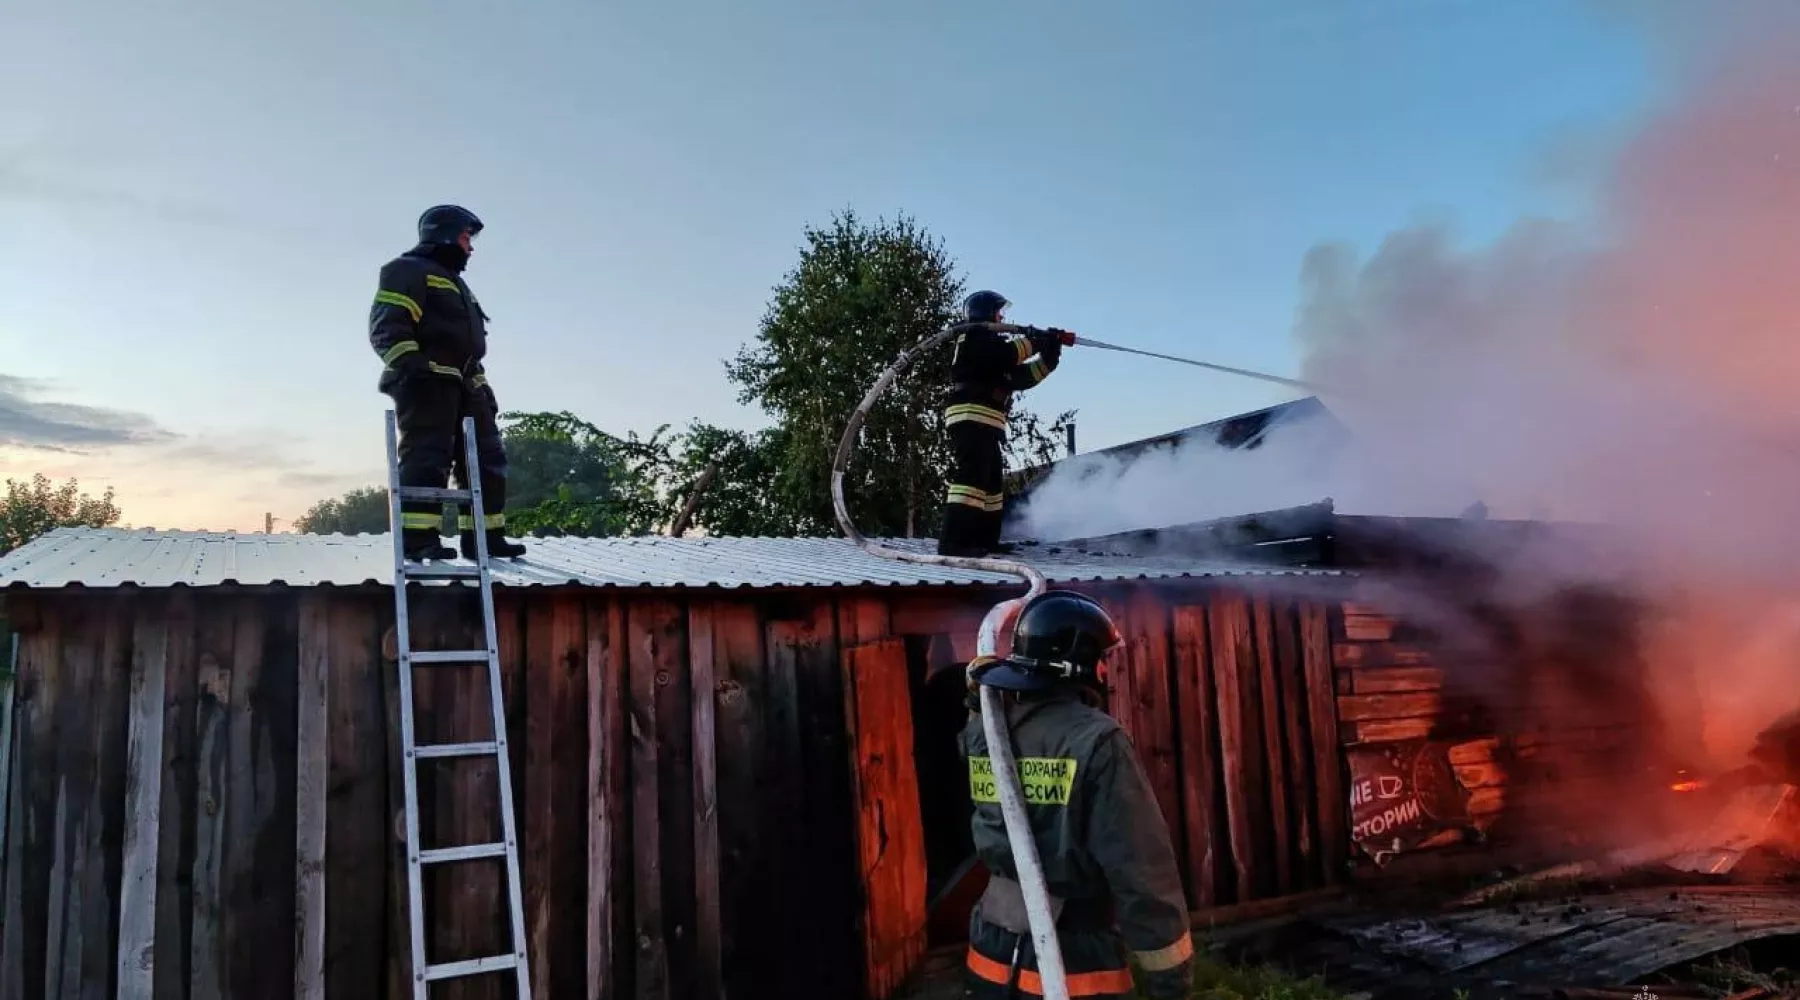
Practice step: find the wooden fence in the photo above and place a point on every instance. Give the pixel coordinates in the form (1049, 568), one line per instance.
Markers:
(716, 792)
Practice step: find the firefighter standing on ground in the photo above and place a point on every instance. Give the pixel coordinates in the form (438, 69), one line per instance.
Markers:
(431, 334)
(988, 367)
(1105, 849)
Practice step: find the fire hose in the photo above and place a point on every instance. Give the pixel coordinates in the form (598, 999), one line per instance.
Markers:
(993, 719)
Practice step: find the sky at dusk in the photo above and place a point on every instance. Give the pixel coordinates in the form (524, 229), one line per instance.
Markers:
(195, 198)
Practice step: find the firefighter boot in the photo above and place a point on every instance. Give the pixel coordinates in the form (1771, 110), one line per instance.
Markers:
(497, 545)
(421, 545)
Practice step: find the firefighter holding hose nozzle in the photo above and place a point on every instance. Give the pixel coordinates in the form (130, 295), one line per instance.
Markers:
(1103, 843)
(990, 364)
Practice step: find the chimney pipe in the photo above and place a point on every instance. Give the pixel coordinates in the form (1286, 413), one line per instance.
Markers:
(1069, 433)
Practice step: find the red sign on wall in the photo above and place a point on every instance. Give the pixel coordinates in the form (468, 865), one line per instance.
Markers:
(1403, 795)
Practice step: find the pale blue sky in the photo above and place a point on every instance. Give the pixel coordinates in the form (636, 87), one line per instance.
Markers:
(194, 197)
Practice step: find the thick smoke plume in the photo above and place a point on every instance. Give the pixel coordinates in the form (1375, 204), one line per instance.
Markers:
(1639, 370)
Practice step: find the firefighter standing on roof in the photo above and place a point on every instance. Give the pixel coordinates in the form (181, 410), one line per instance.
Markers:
(988, 367)
(431, 335)
(1105, 849)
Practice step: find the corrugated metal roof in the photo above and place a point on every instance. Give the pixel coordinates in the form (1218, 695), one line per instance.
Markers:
(107, 557)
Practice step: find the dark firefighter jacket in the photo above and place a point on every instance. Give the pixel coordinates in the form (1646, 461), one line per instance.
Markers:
(1103, 844)
(987, 368)
(425, 311)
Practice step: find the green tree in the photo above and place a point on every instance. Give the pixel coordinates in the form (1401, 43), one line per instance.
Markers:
(860, 295)
(33, 508)
(567, 477)
(362, 511)
(740, 499)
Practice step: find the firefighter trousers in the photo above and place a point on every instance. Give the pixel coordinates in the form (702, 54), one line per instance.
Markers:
(430, 409)
(1093, 960)
(974, 501)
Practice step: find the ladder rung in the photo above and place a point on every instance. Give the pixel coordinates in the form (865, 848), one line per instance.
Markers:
(434, 493)
(457, 749)
(467, 852)
(450, 656)
(439, 571)
(470, 967)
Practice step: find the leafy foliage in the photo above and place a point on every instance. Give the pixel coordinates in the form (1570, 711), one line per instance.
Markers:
(362, 511)
(568, 477)
(36, 507)
(861, 294)
(739, 500)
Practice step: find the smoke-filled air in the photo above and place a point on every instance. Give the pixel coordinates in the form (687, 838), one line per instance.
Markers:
(1638, 369)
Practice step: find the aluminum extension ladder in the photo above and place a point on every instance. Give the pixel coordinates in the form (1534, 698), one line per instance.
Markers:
(417, 858)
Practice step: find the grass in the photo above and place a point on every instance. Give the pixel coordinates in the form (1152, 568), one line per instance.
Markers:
(1215, 979)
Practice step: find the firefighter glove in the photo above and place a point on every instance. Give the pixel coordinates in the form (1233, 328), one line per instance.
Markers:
(411, 365)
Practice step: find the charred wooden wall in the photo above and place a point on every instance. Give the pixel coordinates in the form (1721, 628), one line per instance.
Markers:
(1541, 715)
(716, 794)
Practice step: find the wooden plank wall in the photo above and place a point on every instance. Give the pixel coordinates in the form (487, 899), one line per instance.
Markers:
(681, 776)
(1226, 695)
(1514, 738)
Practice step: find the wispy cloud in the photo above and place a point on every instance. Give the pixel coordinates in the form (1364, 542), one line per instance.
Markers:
(225, 479)
(29, 420)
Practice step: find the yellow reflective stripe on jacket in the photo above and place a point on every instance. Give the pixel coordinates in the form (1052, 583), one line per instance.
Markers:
(1023, 346)
(445, 369)
(403, 347)
(969, 496)
(477, 381)
(439, 282)
(975, 412)
(1164, 959)
(411, 520)
(1046, 781)
(466, 522)
(396, 299)
(1039, 371)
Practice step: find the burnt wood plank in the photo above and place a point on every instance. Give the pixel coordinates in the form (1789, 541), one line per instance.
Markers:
(1370, 707)
(41, 690)
(609, 833)
(889, 842)
(1290, 668)
(257, 874)
(1198, 733)
(143, 805)
(539, 790)
(567, 967)
(1332, 804)
(1229, 631)
(175, 825)
(825, 828)
(1272, 698)
(1152, 699)
(312, 771)
(662, 788)
(706, 672)
(752, 898)
(357, 835)
(1392, 680)
(212, 732)
(1353, 655)
(783, 800)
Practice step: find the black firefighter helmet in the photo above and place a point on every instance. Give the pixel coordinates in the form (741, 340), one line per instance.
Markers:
(1060, 636)
(442, 224)
(984, 307)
